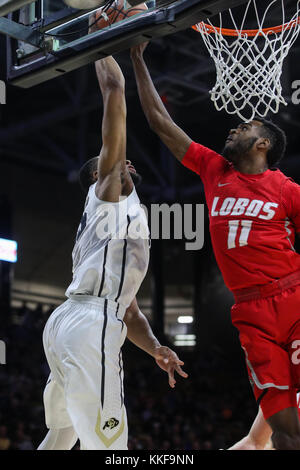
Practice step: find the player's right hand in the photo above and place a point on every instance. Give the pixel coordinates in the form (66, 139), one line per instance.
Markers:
(168, 361)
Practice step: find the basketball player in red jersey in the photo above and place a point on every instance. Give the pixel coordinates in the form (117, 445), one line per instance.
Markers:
(254, 215)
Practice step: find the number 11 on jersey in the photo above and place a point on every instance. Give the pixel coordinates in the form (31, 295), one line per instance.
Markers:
(233, 230)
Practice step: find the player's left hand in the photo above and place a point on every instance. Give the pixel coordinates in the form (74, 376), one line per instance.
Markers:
(168, 361)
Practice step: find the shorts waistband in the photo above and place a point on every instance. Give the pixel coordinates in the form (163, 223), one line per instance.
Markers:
(259, 292)
(117, 308)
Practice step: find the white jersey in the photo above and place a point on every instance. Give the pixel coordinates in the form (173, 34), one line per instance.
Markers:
(111, 252)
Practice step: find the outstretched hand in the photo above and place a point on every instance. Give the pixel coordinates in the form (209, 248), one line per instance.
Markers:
(168, 361)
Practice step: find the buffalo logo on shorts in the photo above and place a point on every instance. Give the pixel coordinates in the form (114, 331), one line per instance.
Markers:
(111, 423)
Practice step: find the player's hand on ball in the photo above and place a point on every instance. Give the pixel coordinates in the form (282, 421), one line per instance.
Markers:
(168, 361)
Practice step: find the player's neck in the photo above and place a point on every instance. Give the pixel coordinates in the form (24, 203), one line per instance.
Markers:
(252, 166)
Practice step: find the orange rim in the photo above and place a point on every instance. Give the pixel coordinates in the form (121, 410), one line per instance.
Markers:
(250, 32)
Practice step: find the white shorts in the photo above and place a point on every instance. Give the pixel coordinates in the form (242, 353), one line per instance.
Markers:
(82, 342)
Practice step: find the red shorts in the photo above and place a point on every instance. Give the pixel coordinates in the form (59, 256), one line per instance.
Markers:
(268, 322)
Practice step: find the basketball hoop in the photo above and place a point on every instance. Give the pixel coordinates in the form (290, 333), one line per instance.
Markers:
(249, 61)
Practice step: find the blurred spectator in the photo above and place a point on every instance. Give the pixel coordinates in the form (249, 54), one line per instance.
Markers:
(4, 439)
(21, 440)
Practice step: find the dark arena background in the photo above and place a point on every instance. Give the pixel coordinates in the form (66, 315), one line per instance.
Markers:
(47, 132)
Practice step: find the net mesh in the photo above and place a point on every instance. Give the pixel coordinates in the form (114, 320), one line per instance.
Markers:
(249, 64)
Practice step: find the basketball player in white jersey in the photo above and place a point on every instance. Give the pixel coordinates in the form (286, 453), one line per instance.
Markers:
(84, 396)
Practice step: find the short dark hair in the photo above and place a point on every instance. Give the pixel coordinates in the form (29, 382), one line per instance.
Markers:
(85, 175)
(277, 139)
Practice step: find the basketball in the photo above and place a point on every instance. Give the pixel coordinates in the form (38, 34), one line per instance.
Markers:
(116, 13)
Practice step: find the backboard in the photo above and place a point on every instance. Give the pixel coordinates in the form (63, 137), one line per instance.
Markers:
(46, 39)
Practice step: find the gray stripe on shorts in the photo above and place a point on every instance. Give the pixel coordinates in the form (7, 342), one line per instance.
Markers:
(257, 382)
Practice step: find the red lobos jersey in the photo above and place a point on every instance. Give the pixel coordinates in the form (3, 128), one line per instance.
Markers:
(253, 219)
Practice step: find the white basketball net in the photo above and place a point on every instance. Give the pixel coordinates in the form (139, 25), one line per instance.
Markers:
(249, 68)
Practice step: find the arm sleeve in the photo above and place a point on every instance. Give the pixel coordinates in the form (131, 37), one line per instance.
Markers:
(203, 161)
(291, 202)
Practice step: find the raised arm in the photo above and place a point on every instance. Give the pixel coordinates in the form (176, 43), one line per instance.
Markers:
(139, 332)
(113, 152)
(158, 118)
